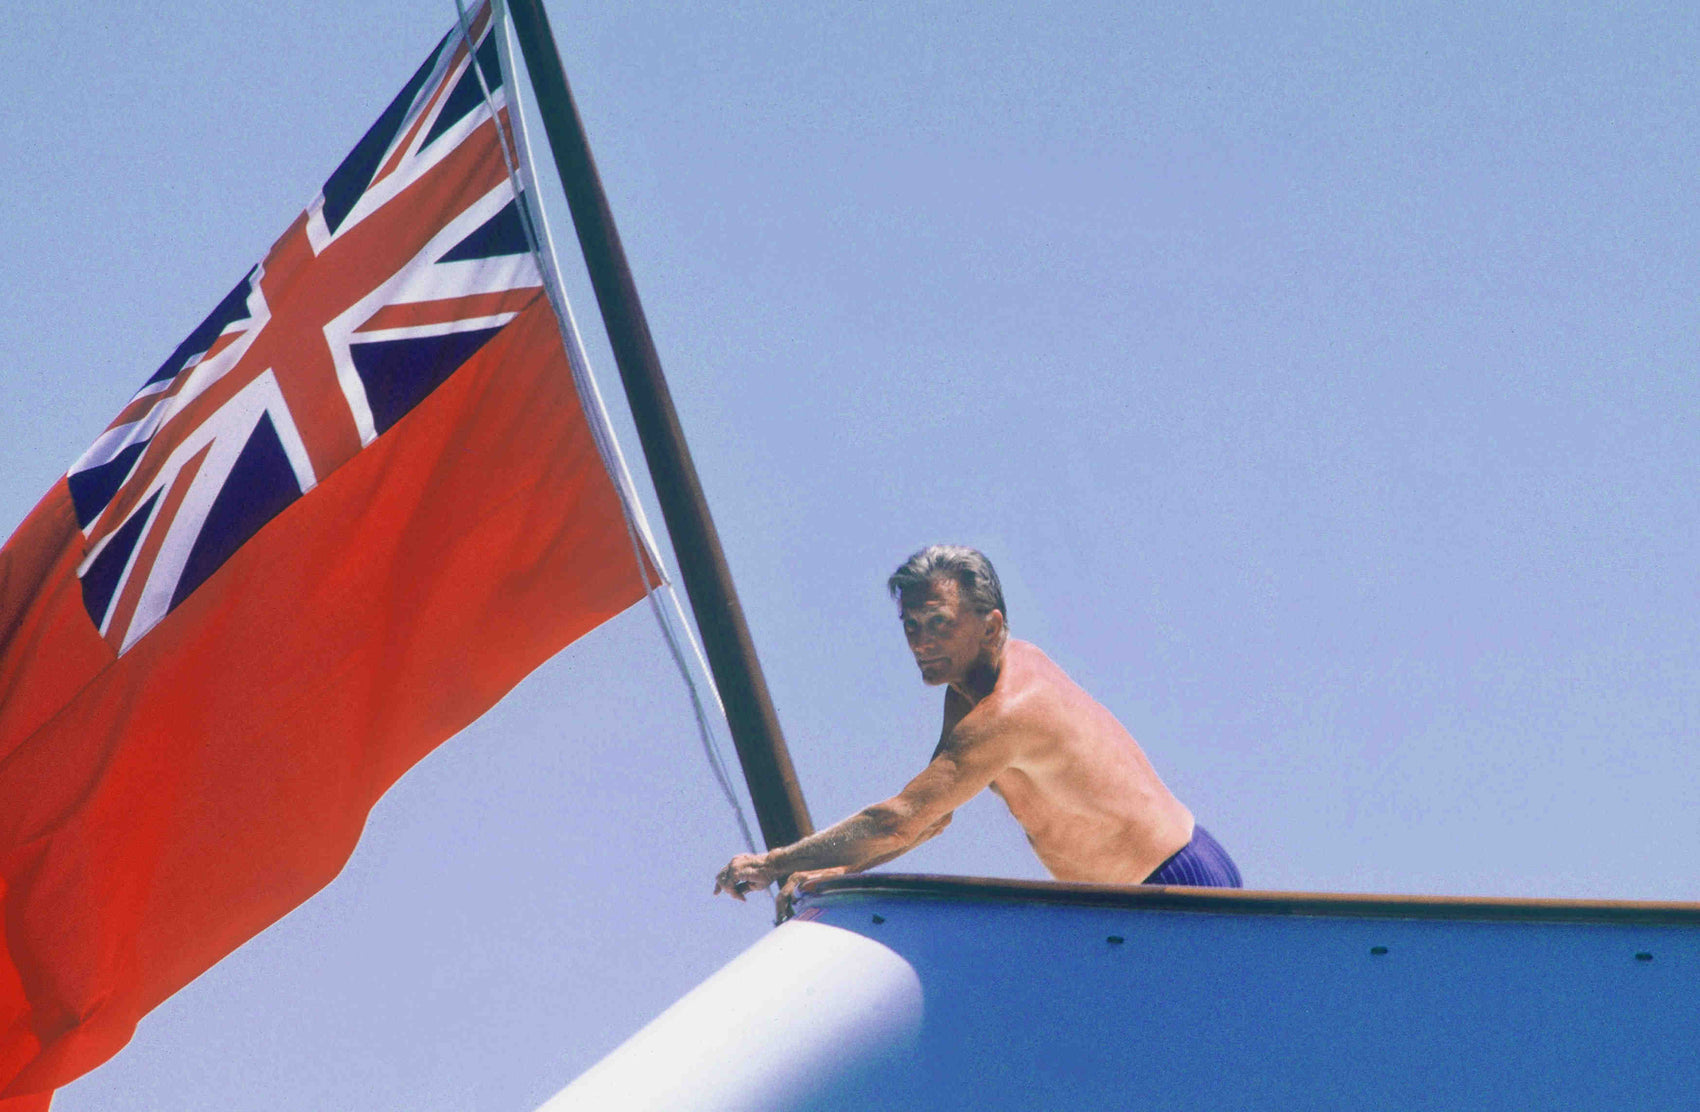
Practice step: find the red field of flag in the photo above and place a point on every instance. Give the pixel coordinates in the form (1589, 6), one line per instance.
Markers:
(349, 513)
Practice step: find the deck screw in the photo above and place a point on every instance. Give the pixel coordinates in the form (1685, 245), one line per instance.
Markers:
(1378, 950)
(1643, 956)
(878, 919)
(1115, 940)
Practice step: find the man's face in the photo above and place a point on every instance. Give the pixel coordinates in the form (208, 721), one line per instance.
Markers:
(945, 633)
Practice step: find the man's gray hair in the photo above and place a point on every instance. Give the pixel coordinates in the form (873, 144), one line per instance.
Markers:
(971, 570)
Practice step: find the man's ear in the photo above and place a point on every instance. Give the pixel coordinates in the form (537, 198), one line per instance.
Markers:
(995, 626)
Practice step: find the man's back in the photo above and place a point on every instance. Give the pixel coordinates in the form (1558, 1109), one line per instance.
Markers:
(1092, 806)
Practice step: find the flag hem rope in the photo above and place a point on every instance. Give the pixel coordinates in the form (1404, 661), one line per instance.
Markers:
(541, 240)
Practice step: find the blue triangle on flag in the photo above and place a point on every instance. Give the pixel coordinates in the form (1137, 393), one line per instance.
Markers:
(259, 486)
(93, 487)
(100, 581)
(398, 374)
(233, 308)
(467, 95)
(502, 234)
(349, 180)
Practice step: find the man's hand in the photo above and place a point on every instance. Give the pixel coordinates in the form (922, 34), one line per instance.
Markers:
(744, 873)
(798, 883)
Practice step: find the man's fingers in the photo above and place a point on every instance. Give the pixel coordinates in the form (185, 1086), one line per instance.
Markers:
(739, 877)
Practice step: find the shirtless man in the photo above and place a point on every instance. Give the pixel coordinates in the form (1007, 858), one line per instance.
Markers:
(1093, 807)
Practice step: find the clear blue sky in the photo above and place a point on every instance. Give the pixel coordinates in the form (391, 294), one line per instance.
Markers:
(1321, 378)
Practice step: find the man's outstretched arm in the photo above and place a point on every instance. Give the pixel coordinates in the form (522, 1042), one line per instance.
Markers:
(872, 836)
(962, 766)
(803, 879)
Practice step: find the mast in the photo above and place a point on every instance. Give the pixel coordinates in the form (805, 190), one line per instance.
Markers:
(772, 780)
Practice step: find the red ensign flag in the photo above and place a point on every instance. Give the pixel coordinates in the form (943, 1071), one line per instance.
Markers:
(357, 505)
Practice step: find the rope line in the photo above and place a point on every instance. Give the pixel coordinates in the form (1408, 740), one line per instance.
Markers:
(675, 629)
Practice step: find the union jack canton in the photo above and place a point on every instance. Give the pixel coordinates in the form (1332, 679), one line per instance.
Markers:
(411, 258)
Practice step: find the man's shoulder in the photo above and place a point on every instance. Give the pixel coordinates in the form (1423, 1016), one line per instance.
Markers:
(1039, 691)
(1028, 673)
(1019, 649)
(1030, 688)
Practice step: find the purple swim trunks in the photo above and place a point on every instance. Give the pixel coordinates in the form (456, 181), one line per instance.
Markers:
(1201, 863)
